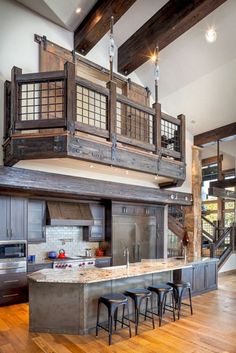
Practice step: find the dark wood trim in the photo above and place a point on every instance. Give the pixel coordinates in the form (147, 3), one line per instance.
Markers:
(172, 20)
(222, 193)
(211, 160)
(215, 135)
(70, 96)
(40, 77)
(40, 124)
(91, 85)
(226, 183)
(157, 127)
(170, 153)
(14, 96)
(7, 109)
(171, 119)
(92, 130)
(40, 183)
(123, 99)
(182, 131)
(97, 23)
(136, 143)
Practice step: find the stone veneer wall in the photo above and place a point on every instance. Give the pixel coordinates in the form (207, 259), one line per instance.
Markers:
(68, 238)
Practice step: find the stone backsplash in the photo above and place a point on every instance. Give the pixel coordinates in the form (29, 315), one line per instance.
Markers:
(68, 238)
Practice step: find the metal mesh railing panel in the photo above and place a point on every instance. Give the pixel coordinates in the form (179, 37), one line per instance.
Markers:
(170, 135)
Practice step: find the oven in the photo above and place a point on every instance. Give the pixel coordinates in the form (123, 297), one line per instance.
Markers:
(13, 250)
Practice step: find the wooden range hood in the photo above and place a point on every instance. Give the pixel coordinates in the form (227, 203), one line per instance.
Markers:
(69, 214)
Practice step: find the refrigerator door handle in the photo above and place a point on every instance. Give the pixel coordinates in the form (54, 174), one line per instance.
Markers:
(134, 252)
(138, 246)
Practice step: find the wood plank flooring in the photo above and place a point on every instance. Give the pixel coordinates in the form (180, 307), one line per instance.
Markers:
(212, 328)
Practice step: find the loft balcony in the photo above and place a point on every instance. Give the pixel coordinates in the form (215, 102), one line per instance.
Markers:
(58, 114)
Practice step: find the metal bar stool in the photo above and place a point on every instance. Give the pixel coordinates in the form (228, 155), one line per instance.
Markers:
(162, 290)
(138, 295)
(179, 288)
(113, 302)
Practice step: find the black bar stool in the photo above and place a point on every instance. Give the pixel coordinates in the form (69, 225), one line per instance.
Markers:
(138, 295)
(162, 290)
(179, 288)
(112, 302)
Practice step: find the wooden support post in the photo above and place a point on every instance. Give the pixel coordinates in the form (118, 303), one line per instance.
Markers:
(157, 127)
(182, 137)
(70, 96)
(14, 96)
(193, 213)
(111, 119)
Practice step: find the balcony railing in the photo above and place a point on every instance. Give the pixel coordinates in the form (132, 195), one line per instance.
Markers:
(60, 99)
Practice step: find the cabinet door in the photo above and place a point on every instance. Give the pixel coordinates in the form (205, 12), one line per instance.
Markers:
(18, 213)
(103, 262)
(5, 218)
(36, 221)
(211, 274)
(199, 283)
(146, 238)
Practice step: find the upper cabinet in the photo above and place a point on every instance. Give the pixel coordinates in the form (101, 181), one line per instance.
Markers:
(13, 211)
(36, 221)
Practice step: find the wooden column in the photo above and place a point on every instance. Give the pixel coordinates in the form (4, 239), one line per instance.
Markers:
(70, 96)
(193, 213)
(157, 127)
(181, 117)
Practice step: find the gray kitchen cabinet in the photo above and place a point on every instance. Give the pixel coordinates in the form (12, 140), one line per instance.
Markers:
(96, 232)
(13, 211)
(36, 221)
(32, 267)
(13, 288)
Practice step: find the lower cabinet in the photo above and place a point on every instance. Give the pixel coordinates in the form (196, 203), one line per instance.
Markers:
(103, 262)
(203, 277)
(13, 288)
(37, 267)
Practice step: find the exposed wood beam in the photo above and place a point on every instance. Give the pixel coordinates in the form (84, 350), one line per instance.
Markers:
(211, 160)
(226, 183)
(222, 193)
(36, 183)
(214, 135)
(172, 20)
(97, 23)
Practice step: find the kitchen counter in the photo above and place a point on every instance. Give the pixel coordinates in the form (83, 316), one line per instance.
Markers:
(65, 301)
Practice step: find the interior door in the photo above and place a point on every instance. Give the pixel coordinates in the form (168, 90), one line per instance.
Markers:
(124, 234)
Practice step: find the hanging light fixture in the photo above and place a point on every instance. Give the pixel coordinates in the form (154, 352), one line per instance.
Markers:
(211, 35)
(111, 48)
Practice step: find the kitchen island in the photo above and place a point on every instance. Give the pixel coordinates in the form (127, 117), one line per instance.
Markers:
(65, 301)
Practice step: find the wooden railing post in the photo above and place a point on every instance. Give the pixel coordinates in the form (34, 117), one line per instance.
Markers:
(111, 85)
(70, 96)
(182, 142)
(157, 127)
(7, 109)
(14, 96)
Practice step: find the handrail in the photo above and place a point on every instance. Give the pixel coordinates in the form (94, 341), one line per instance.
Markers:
(40, 77)
(222, 237)
(91, 85)
(169, 118)
(207, 220)
(123, 99)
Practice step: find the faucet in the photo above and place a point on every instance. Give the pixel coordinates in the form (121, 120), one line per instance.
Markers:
(126, 253)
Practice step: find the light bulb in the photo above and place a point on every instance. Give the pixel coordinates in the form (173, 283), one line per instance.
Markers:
(78, 10)
(211, 35)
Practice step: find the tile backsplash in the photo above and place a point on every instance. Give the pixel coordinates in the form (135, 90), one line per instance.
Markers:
(68, 238)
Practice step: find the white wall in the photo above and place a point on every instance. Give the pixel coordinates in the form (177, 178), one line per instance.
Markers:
(17, 47)
(230, 264)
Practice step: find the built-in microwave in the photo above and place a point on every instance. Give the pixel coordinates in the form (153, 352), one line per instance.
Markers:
(13, 249)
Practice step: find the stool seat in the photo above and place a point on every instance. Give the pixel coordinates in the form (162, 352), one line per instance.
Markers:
(139, 292)
(180, 284)
(114, 298)
(162, 287)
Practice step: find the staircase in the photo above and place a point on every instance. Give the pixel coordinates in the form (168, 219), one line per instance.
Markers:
(176, 230)
(218, 241)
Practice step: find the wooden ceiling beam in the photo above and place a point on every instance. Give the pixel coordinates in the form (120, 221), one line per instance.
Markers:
(215, 135)
(97, 23)
(222, 193)
(172, 20)
(226, 183)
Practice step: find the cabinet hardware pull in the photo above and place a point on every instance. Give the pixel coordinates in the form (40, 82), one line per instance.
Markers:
(7, 233)
(11, 281)
(10, 295)
(11, 233)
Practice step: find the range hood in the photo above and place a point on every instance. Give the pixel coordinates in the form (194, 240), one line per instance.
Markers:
(69, 214)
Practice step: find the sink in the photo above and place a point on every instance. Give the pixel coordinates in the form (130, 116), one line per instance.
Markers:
(113, 267)
(179, 258)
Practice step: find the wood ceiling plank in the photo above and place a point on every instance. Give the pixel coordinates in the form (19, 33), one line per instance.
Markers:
(215, 135)
(172, 20)
(97, 23)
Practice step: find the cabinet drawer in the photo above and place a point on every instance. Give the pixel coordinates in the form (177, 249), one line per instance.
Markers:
(12, 281)
(13, 296)
(103, 262)
(38, 267)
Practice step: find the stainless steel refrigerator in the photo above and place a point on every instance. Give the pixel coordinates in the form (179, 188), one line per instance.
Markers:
(138, 234)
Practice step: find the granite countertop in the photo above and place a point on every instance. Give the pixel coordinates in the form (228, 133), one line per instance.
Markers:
(86, 276)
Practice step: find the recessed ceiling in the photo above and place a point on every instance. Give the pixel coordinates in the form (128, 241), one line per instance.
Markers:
(61, 12)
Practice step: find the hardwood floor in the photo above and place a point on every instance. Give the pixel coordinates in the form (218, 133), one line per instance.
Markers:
(212, 328)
